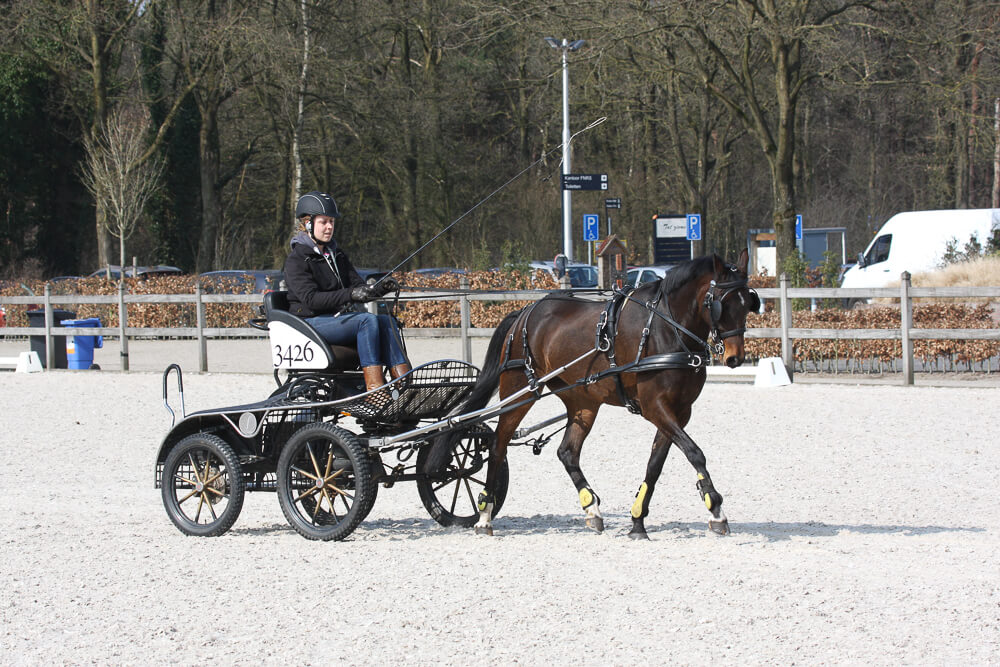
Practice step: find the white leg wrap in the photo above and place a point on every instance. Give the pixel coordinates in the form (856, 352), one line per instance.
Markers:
(485, 523)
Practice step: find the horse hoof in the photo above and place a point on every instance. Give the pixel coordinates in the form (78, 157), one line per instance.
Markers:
(484, 530)
(596, 524)
(719, 527)
(637, 535)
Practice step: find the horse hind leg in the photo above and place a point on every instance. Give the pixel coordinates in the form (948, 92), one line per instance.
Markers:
(485, 503)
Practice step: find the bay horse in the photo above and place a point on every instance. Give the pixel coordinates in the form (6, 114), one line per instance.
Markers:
(646, 350)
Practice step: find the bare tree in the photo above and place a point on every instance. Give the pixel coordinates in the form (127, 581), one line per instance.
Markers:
(118, 173)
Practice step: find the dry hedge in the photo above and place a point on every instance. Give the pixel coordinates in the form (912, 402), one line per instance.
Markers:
(487, 314)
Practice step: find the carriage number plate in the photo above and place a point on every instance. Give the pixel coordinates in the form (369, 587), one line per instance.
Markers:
(288, 355)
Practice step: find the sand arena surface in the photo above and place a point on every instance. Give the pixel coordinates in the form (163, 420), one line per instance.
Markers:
(864, 531)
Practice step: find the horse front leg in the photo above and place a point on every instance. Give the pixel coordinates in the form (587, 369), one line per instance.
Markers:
(718, 524)
(640, 508)
(580, 422)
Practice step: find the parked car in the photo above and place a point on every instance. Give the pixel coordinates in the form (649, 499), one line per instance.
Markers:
(260, 281)
(638, 275)
(370, 275)
(580, 275)
(437, 272)
(115, 271)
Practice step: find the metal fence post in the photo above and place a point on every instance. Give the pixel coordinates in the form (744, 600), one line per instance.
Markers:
(787, 353)
(50, 350)
(905, 324)
(122, 324)
(465, 312)
(200, 323)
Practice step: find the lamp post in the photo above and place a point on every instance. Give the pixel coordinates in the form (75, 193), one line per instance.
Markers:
(567, 195)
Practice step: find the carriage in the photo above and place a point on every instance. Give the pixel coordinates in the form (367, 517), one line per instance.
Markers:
(324, 444)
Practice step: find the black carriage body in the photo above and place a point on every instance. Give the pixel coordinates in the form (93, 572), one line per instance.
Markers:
(256, 432)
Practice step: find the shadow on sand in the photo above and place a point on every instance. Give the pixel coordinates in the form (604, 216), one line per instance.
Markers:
(619, 525)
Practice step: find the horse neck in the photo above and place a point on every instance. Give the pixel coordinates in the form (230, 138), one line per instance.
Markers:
(687, 305)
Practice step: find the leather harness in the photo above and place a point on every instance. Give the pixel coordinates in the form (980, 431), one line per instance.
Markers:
(607, 332)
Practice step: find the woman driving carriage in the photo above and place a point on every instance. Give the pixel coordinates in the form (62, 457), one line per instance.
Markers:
(322, 284)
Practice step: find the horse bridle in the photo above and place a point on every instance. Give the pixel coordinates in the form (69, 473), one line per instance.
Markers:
(714, 299)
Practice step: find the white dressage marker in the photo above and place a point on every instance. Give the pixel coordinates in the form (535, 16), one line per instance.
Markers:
(26, 362)
(770, 372)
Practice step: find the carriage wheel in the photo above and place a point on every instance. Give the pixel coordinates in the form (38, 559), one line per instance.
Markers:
(202, 485)
(324, 482)
(326, 519)
(461, 458)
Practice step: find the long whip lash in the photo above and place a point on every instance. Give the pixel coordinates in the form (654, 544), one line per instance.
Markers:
(485, 199)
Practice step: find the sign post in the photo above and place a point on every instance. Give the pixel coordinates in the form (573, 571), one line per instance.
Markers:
(608, 205)
(693, 229)
(591, 231)
(584, 181)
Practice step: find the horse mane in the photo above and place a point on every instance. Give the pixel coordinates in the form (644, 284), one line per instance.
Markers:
(684, 273)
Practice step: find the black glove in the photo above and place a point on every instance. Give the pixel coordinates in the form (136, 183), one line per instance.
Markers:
(387, 285)
(363, 294)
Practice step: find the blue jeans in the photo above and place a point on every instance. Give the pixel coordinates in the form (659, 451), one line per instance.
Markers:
(375, 336)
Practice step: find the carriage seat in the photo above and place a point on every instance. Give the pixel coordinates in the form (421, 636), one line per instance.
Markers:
(296, 345)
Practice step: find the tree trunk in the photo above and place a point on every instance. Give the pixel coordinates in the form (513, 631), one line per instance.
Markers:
(99, 90)
(300, 117)
(995, 199)
(211, 202)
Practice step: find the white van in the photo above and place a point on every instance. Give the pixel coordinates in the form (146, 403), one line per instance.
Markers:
(916, 241)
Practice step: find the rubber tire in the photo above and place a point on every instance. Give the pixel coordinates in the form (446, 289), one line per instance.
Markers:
(326, 526)
(223, 453)
(450, 512)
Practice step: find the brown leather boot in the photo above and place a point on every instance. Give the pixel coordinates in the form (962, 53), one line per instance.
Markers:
(399, 370)
(374, 377)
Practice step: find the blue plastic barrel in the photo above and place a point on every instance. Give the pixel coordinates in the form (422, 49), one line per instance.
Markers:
(80, 349)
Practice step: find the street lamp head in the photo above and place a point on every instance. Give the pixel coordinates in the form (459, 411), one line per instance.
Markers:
(576, 45)
(553, 42)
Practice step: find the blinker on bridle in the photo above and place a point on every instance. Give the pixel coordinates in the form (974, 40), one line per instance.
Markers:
(713, 302)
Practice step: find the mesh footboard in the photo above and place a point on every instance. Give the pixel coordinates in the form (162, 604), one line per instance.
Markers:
(426, 392)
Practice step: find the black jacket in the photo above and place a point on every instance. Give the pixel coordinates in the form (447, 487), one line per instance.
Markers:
(315, 287)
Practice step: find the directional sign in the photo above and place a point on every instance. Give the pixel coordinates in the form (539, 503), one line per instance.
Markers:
(613, 203)
(591, 232)
(694, 227)
(584, 181)
(798, 228)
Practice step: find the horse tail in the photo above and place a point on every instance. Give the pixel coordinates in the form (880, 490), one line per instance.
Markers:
(480, 394)
(489, 378)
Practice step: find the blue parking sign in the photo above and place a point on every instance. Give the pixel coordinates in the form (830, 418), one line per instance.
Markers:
(798, 228)
(591, 228)
(694, 227)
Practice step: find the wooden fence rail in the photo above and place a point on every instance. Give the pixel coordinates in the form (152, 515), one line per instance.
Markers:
(782, 294)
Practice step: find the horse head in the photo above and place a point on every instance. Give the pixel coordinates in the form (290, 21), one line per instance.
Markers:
(728, 301)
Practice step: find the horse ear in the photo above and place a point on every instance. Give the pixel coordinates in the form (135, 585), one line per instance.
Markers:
(743, 261)
(719, 265)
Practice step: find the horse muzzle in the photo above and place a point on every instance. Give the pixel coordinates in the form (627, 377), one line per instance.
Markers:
(733, 354)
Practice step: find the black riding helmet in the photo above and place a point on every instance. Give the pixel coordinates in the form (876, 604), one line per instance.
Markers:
(316, 203)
